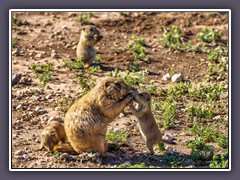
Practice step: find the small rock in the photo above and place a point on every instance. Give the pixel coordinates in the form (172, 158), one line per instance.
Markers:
(48, 96)
(177, 78)
(39, 55)
(217, 117)
(57, 108)
(39, 109)
(25, 156)
(54, 55)
(52, 118)
(64, 156)
(168, 138)
(16, 52)
(36, 98)
(189, 124)
(121, 115)
(19, 106)
(19, 152)
(166, 77)
(115, 130)
(171, 152)
(167, 147)
(16, 78)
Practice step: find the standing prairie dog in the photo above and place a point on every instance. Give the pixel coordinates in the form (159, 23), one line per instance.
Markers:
(87, 119)
(146, 121)
(85, 48)
(52, 135)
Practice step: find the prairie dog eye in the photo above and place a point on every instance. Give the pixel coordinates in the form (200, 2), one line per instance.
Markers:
(118, 85)
(92, 29)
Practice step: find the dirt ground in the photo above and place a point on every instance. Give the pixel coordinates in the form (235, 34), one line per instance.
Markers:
(58, 32)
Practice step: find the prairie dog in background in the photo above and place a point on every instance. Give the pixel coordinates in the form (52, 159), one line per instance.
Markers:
(85, 48)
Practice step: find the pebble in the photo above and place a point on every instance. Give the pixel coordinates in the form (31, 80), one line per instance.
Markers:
(52, 118)
(54, 55)
(115, 130)
(48, 96)
(39, 56)
(16, 52)
(25, 156)
(189, 124)
(166, 77)
(57, 108)
(19, 152)
(16, 78)
(36, 98)
(167, 137)
(64, 156)
(19, 106)
(177, 78)
(167, 147)
(38, 109)
(171, 152)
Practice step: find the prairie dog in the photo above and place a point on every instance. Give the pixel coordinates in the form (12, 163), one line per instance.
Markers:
(86, 120)
(85, 48)
(146, 121)
(52, 135)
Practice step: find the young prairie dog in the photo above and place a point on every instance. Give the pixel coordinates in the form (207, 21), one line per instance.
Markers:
(52, 135)
(146, 121)
(87, 119)
(85, 48)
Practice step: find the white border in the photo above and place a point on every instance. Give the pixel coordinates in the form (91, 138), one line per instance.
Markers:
(115, 10)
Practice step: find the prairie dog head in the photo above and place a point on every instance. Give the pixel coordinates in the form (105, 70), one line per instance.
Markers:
(49, 139)
(91, 35)
(143, 100)
(116, 89)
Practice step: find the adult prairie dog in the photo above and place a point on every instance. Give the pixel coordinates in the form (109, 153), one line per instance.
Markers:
(87, 119)
(146, 121)
(85, 48)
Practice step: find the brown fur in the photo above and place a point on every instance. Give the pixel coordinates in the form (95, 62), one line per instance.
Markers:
(85, 48)
(87, 119)
(52, 135)
(147, 123)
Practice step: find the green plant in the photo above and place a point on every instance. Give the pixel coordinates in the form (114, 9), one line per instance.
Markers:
(84, 17)
(197, 143)
(220, 161)
(203, 155)
(115, 73)
(174, 161)
(19, 22)
(98, 58)
(210, 35)
(118, 137)
(161, 147)
(135, 78)
(138, 40)
(173, 39)
(15, 42)
(141, 165)
(74, 65)
(206, 91)
(222, 140)
(94, 69)
(43, 72)
(199, 112)
(166, 111)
